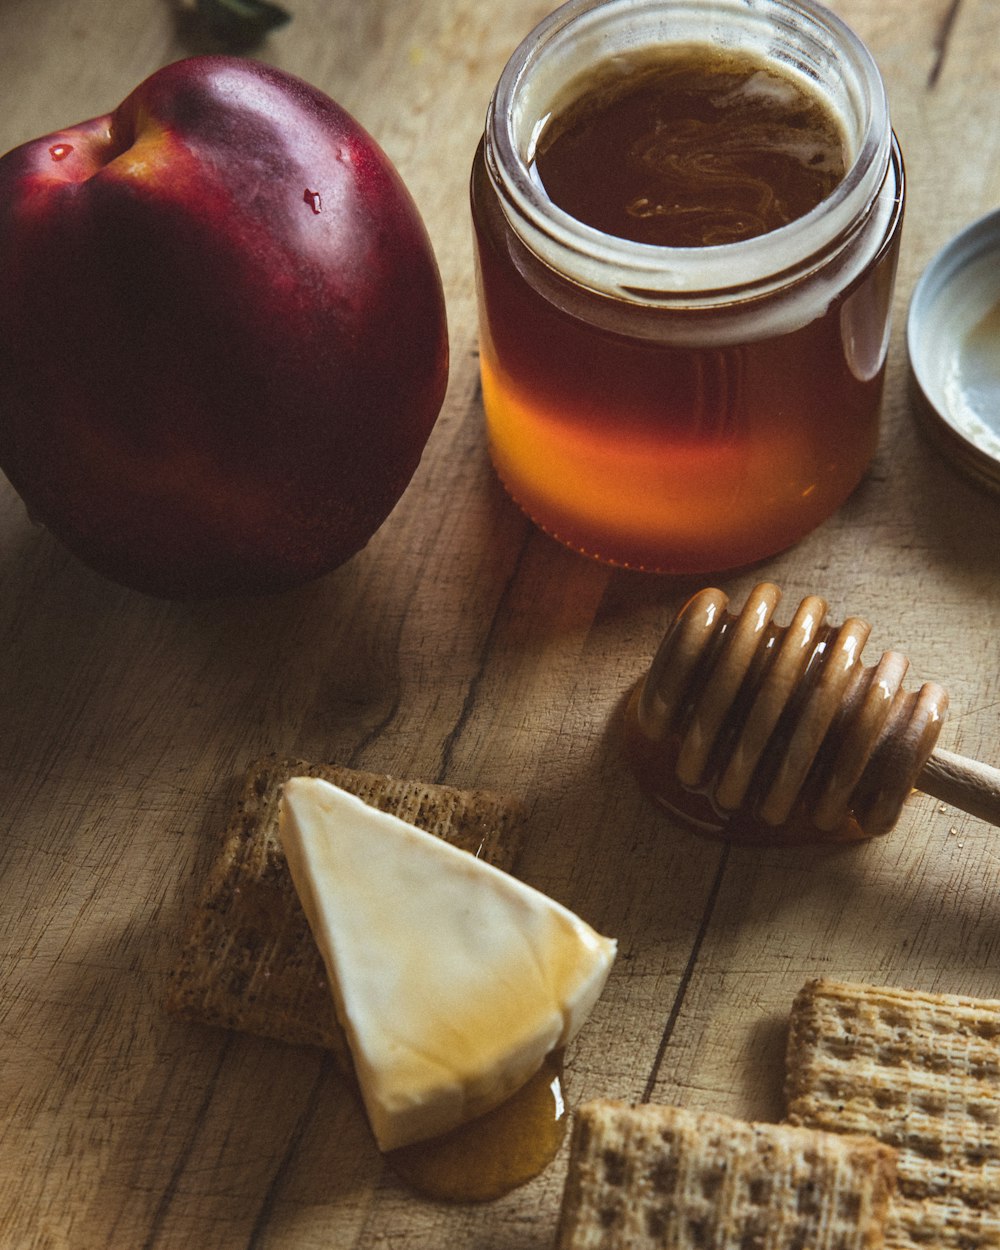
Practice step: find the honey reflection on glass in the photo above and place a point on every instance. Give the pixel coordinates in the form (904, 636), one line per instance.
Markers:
(676, 459)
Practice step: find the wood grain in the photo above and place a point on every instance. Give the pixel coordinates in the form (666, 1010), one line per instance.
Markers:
(462, 647)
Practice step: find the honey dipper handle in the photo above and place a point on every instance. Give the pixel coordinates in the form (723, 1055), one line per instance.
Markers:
(967, 784)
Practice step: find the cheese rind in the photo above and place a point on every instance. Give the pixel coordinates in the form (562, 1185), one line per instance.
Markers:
(452, 979)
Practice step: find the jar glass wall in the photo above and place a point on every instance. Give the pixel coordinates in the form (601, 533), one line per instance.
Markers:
(684, 409)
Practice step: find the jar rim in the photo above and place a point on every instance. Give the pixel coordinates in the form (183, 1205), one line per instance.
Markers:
(652, 270)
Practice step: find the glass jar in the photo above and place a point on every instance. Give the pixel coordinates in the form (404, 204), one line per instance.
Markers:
(684, 409)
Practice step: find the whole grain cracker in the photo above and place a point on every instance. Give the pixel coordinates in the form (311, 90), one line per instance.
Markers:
(656, 1176)
(921, 1072)
(248, 960)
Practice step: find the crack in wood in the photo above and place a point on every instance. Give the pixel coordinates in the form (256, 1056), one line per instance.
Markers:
(941, 43)
(187, 1149)
(266, 1208)
(685, 981)
(472, 689)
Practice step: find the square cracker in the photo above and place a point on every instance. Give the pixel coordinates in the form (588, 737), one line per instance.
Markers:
(921, 1072)
(249, 961)
(656, 1176)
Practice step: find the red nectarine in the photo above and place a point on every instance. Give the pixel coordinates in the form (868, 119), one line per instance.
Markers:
(222, 332)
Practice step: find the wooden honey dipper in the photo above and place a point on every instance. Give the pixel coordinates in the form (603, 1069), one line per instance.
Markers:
(756, 732)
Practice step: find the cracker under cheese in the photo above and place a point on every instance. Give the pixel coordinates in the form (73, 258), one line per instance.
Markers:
(248, 960)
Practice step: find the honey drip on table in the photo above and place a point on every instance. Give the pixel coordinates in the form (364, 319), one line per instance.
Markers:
(491, 1155)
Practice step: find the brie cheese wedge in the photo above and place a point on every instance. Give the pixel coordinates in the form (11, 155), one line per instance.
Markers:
(452, 979)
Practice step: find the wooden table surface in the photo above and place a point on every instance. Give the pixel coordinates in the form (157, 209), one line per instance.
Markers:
(460, 646)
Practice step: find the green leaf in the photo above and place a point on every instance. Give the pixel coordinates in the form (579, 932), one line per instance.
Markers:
(241, 21)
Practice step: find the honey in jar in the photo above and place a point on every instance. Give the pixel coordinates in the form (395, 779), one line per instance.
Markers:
(689, 146)
(686, 250)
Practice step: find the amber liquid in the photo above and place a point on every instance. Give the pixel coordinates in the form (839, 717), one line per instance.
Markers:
(691, 149)
(490, 1156)
(629, 446)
